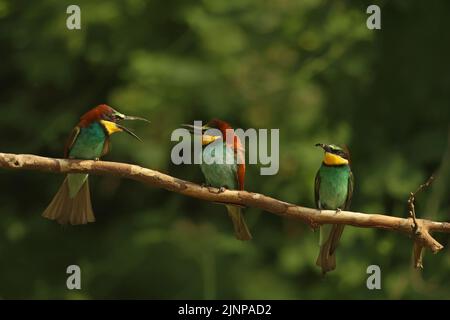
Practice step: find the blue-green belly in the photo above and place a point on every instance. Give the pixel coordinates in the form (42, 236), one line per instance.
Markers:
(89, 143)
(219, 174)
(333, 186)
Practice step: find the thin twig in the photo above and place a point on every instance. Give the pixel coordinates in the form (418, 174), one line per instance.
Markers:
(412, 199)
(416, 228)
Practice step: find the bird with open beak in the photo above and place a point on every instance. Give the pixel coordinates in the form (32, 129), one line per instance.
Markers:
(89, 140)
(230, 173)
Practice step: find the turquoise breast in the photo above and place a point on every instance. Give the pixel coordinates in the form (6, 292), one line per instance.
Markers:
(333, 186)
(221, 174)
(89, 143)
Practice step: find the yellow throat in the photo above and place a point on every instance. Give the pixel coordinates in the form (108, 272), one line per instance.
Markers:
(110, 127)
(207, 139)
(334, 160)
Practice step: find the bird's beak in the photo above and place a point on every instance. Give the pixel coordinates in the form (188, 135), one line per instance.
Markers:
(323, 146)
(121, 116)
(125, 129)
(206, 138)
(195, 129)
(135, 118)
(113, 127)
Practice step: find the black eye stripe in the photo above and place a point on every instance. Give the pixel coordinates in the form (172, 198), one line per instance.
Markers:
(108, 117)
(340, 153)
(337, 151)
(343, 154)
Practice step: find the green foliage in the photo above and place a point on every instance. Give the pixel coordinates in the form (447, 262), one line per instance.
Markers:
(310, 68)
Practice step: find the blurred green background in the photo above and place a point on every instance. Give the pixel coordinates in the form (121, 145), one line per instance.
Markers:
(310, 68)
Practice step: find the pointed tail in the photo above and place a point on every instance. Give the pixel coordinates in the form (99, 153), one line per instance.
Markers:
(329, 240)
(240, 227)
(75, 210)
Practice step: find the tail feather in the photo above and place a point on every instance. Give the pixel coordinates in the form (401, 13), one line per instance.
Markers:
(76, 210)
(240, 227)
(327, 255)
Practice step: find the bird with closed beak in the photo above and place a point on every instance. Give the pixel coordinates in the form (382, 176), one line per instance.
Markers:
(333, 191)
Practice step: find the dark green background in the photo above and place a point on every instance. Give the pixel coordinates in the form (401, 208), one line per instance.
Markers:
(310, 68)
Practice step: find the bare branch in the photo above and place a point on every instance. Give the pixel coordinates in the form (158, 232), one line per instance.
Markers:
(418, 231)
(412, 199)
(157, 179)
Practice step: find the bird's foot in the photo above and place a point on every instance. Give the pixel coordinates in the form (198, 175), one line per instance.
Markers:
(210, 188)
(96, 159)
(216, 190)
(338, 210)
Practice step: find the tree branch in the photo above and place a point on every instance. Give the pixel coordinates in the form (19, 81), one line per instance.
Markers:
(417, 230)
(157, 179)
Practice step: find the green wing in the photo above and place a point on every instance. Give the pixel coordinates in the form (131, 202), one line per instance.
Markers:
(349, 191)
(106, 147)
(316, 190)
(69, 144)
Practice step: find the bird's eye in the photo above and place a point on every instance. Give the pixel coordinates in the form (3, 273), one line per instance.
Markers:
(343, 154)
(109, 117)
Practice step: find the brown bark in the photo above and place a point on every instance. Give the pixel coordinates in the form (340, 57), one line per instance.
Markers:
(419, 229)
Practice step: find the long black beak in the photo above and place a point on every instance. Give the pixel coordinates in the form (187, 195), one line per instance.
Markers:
(131, 133)
(135, 118)
(320, 145)
(195, 129)
(325, 147)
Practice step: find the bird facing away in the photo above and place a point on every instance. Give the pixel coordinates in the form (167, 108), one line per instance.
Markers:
(89, 141)
(333, 191)
(230, 174)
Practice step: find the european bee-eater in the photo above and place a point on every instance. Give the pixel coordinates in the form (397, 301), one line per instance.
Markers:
(230, 173)
(89, 141)
(333, 191)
